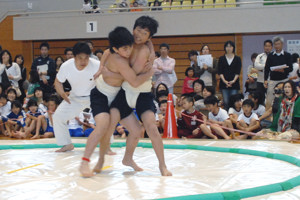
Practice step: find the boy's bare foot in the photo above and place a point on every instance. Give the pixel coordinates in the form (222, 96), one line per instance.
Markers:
(85, 170)
(98, 168)
(164, 171)
(36, 137)
(110, 152)
(131, 163)
(68, 147)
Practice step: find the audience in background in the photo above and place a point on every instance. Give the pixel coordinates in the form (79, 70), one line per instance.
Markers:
(229, 69)
(45, 66)
(165, 68)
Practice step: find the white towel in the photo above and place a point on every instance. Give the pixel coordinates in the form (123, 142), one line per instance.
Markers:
(133, 93)
(110, 91)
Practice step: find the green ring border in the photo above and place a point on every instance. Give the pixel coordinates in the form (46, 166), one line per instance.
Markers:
(232, 195)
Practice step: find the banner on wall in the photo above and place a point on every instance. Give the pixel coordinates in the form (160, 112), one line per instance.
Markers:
(293, 46)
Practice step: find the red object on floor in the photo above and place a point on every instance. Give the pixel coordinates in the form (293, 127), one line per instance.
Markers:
(170, 128)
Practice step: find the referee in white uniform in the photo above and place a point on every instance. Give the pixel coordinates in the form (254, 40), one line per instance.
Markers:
(79, 71)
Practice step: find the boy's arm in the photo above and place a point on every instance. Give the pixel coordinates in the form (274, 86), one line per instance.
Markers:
(239, 126)
(104, 57)
(266, 114)
(130, 76)
(252, 128)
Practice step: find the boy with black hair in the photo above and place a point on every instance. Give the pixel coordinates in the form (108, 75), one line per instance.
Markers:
(99, 53)
(68, 53)
(107, 87)
(45, 66)
(14, 120)
(248, 120)
(160, 117)
(5, 109)
(140, 98)
(218, 117)
(188, 124)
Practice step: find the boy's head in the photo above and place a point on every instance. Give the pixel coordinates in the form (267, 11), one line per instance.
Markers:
(211, 103)
(86, 112)
(235, 101)
(121, 41)
(187, 102)
(38, 92)
(192, 55)
(248, 105)
(3, 99)
(32, 105)
(162, 95)
(255, 97)
(99, 53)
(16, 107)
(53, 103)
(163, 106)
(144, 28)
(208, 91)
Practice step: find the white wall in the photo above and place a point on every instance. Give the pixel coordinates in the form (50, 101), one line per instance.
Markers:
(178, 22)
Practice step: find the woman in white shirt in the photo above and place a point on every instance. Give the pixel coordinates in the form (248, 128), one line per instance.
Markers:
(12, 69)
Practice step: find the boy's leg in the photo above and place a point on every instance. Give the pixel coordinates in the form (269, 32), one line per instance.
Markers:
(135, 130)
(218, 130)
(228, 124)
(102, 122)
(148, 119)
(207, 131)
(104, 141)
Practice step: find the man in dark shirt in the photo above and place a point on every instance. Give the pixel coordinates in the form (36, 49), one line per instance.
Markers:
(45, 66)
(273, 76)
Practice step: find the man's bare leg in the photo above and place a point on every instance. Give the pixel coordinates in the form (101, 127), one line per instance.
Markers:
(102, 122)
(148, 119)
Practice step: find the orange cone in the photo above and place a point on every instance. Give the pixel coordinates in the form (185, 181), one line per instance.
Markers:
(170, 128)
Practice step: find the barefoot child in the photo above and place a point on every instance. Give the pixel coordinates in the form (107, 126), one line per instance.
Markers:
(15, 120)
(235, 107)
(31, 117)
(247, 121)
(160, 121)
(46, 121)
(188, 126)
(107, 87)
(218, 117)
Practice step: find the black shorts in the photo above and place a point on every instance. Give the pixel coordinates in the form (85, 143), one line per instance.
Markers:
(143, 103)
(99, 102)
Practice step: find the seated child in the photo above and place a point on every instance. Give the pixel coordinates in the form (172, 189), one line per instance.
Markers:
(5, 109)
(218, 117)
(189, 126)
(199, 103)
(258, 100)
(14, 120)
(75, 129)
(34, 80)
(247, 121)
(45, 122)
(31, 118)
(11, 94)
(235, 107)
(160, 117)
(87, 121)
(121, 131)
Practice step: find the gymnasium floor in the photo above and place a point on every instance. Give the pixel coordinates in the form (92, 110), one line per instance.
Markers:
(40, 173)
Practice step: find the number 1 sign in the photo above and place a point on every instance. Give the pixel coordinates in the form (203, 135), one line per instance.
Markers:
(91, 27)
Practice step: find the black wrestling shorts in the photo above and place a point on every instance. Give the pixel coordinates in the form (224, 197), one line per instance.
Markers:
(99, 102)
